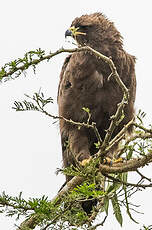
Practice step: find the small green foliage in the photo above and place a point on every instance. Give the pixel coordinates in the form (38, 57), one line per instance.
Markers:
(87, 190)
(140, 116)
(39, 102)
(31, 58)
(38, 52)
(87, 110)
(73, 171)
(89, 171)
(2, 73)
(98, 144)
(140, 147)
(75, 215)
(18, 206)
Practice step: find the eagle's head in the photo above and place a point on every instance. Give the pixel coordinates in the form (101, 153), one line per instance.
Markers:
(94, 30)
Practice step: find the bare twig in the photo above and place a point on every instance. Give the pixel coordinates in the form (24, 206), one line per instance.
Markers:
(127, 183)
(120, 135)
(112, 127)
(142, 176)
(79, 124)
(97, 225)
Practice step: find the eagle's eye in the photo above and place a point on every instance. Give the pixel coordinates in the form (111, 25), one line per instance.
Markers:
(83, 26)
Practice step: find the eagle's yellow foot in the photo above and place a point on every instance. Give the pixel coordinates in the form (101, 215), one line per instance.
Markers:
(119, 160)
(85, 161)
(109, 161)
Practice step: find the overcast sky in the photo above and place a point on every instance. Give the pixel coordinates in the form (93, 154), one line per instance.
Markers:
(30, 143)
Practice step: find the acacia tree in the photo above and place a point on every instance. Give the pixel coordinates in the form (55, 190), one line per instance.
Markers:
(99, 180)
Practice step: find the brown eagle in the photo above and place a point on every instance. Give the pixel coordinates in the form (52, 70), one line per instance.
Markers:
(84, 83)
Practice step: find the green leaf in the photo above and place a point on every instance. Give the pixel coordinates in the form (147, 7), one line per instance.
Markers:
(87, 110)
(129, 155)
(113, 187)
(106, 204)
(124, 177)
(140, 116)
(116, 209)
(2, 72)
(97, 145)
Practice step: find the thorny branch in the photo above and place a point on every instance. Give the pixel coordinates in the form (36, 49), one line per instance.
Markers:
(33, 62)
(121, 135)
(42, 57)
(115, 119)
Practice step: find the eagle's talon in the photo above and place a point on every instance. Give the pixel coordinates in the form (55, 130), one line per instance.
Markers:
(109, 161)
(119, 160)
(85, 161)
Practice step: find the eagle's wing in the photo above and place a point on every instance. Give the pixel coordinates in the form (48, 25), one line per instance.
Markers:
(80, 86)
(62, 72)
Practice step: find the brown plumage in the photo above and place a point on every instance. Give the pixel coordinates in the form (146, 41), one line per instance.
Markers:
(83, 83)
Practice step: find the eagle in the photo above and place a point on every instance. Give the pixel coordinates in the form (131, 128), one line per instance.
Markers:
(84, 84)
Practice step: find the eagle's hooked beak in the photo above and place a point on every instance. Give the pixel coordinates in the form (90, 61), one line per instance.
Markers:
(72, 31)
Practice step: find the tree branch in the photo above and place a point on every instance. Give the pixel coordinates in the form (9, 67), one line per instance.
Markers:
(131, 165)
(32, 62)
(97, 225)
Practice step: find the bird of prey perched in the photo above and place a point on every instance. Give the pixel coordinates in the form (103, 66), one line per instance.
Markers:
(84, 84)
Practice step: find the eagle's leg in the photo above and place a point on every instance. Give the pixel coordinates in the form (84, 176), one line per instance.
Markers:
(79, 145)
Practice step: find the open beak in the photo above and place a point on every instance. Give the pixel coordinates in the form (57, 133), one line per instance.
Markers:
(72, 31)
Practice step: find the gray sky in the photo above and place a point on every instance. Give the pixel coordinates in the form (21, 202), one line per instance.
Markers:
(30, 143)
